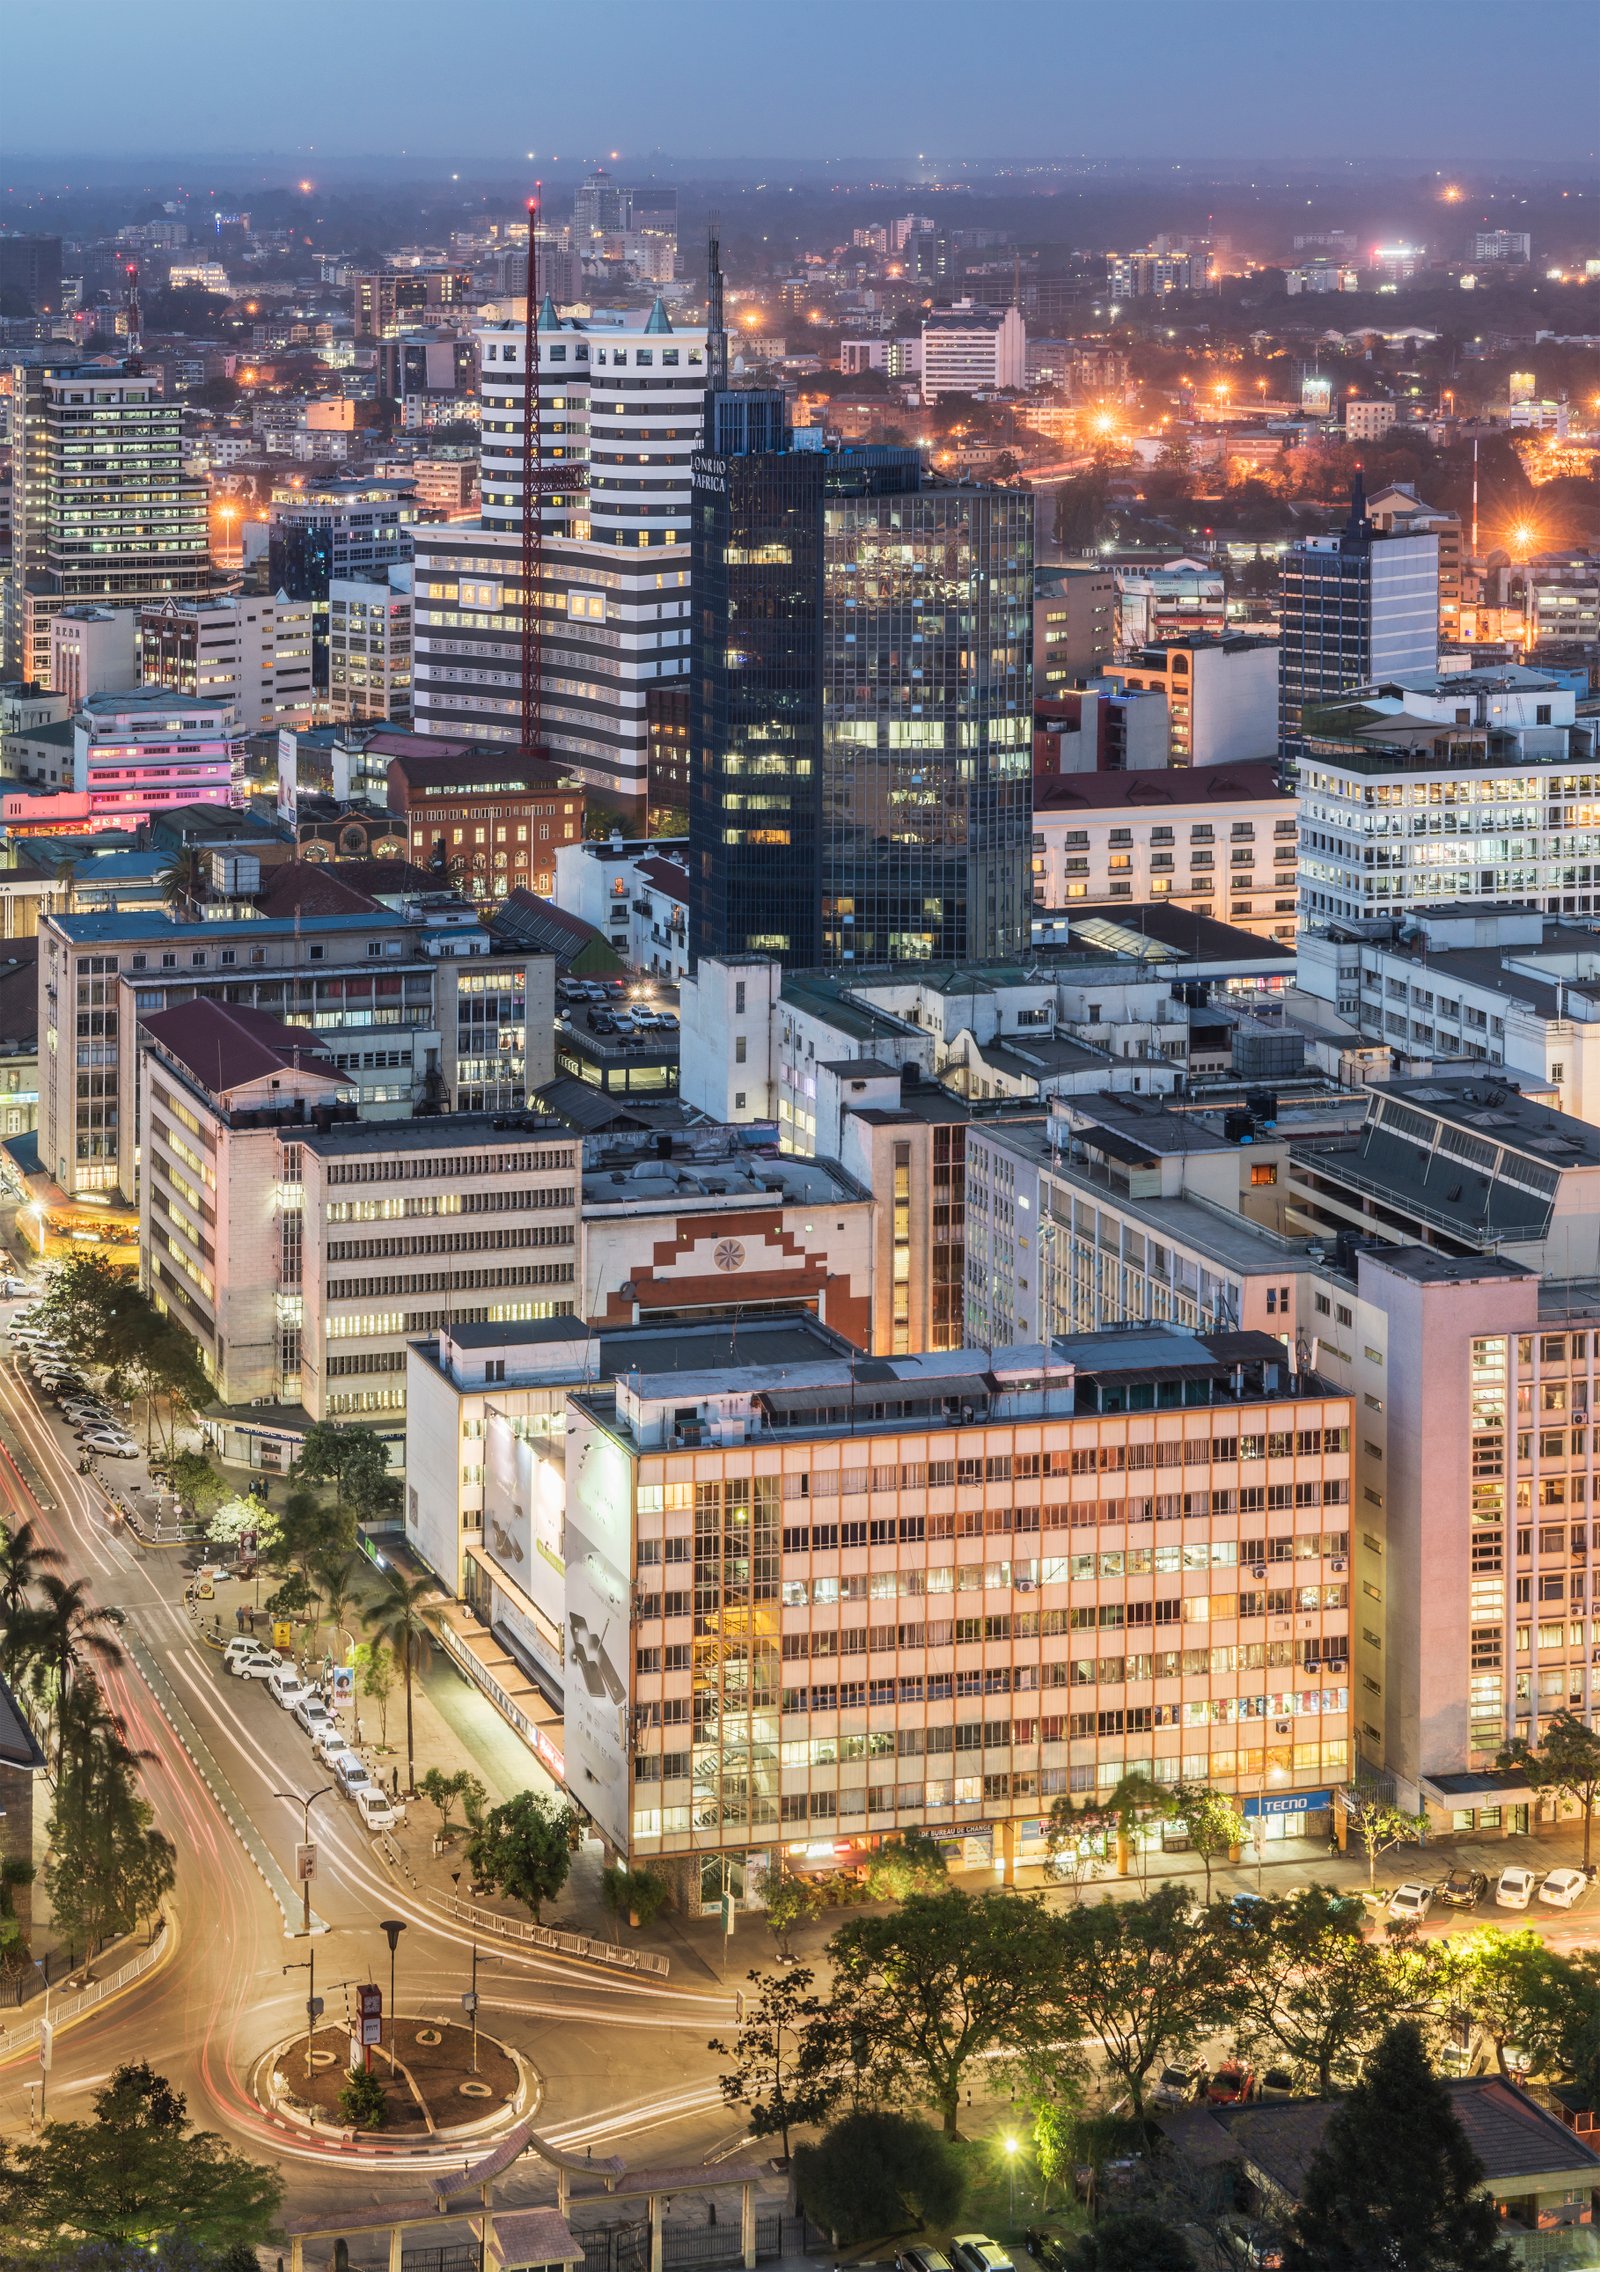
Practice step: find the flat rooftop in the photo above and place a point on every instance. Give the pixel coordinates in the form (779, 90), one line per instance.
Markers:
(651, 1181)
(444, 1131)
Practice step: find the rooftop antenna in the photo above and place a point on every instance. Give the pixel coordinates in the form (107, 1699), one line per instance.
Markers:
(716, 321)
(532, 493)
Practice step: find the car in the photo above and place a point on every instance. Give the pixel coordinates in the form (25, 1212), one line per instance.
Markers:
(349, 1771)
(1275, 2085)
(1563, 1887)
(1232, 2084)
(14, 1289)
(976, 2252)
(312, 1714)
(379, 1812)
(1409, 1903)
(1179, 2086)
(110, 1447)
(242, 1645)
(261, 1666)
(286, 1687)
(1514, 1887)
(86, 1408)
(1254, 2245)
(1053, 2250)
(1249, 1912)
(1462, 1888)
(329, 1741)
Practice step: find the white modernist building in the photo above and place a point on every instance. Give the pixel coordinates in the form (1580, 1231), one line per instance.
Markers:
(973, 350)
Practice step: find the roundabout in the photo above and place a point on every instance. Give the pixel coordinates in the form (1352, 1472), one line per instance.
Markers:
(436, 2082)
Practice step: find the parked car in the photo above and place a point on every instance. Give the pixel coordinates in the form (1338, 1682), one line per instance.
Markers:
(1053, 2250)
(286, 1687)
(1462, 1888)
(1231, 2085)
(1249, 1912)
(312, 1714)
(976, 2252)
(1514, 1887)
(1563, 1887)
(243, 1645)
(328, 1742)
(261, 1666)
(377, 1810)
(1409, 1903)
(349, 1771)
(110, 1447)
(14, 1289)
(1179, 2086)
(1275, 2085)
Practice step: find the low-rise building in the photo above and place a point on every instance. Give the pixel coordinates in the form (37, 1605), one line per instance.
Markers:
(94, 650)
(1074, 624)
(489, 821)
(1222, 693)
(1221, 839)
(134, 754)
(635, 892)
(1174, 601)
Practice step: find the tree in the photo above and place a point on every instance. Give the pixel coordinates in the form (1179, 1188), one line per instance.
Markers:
(1566, 1760)
(14, 1958)
(1145, 1979)
(1214, 1822)
(1376, 1826)
(199, 1486)
(69, 1632)
(880, 2173)
(1074, 1831)
(791, 1901)
(183, 881)
(234, 1519)
(1394, 2181)
(352, 1458)
(25, 1556)
(1133, 1802)
(107, 1867)
(524, 1849)
(137, 2172)
(1319, 1994)
(945, 1981)
(399, 1620)
(1134, 2241)
(443, 1791)
(363, 2100)
(376, 1674)
(336, 1582)
(780, 2073)
(1513, 1988)
(911, 1863)
(638, 1895)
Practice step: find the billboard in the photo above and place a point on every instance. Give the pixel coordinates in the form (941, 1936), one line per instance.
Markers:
(523, 1505)
(599, 1543)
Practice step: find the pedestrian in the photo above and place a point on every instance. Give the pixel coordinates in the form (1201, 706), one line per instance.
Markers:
(238, 1619)
(1333, 1845)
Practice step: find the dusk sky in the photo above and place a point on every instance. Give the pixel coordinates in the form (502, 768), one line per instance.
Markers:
(477, 84)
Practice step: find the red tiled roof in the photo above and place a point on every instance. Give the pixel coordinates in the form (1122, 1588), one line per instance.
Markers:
(224, 1045)
(310, 887)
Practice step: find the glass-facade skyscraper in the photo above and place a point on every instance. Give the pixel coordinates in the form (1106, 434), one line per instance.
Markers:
(861, 735)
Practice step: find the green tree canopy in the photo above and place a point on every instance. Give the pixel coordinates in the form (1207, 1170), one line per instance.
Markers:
(1144, 1980)
(1317, 1993)
(880, 2173)
(1394, 2181)
(780, 2073)
(524, 1849)
(1565, 1760)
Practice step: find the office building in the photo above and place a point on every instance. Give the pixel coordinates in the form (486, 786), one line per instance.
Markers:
(420, 1007)
(622, 405)
(332, 532)
(1101, 727)
(1354, 607)
(30, 271)
(1502, 244)
(972, 350)
(1397, 510)
(1170, 602)
(1221, 690)
(1222, 841)
(1368, 421)
(383, 303)
(1434, 787)
(369, 645)
(895, 358)
(1074, 625)
(134, 754)
(821, 1718)
(102, 511)
(248, 652)
(94, 650)
(489, 821)
(1141, 275)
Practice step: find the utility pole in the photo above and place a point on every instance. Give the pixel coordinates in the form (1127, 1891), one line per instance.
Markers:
(305, 1860)
(313, 2000)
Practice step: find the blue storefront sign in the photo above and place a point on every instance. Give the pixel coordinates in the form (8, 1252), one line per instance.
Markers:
(1290, 1802)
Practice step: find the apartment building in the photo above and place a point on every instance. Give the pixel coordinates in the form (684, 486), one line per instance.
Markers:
(1500, 985)
(418, 1007)
(1100, 728)
(249, 652)
(1175, 601)
(635, 891)
(1222, 694)
(972, 350)
(1074, 624)
(134, 754)
(369, 645)
(1438, 786)
(491, 821)
(761, 1700)
(1221, 839)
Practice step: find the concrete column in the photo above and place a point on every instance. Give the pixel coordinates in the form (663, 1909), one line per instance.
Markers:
(297, 2253)
(1008, 1853)
(747, 2225)
(396, 2248)
(563, 2188)
(655, 2233)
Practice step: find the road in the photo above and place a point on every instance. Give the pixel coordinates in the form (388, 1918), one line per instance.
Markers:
(621, 2061)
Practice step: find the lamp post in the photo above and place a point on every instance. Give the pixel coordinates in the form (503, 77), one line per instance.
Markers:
(469, 2001)
(295, 1800)
(1010, 2145)
(313, 2002)
(392, 1927)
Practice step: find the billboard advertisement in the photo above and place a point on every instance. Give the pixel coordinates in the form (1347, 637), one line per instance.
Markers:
(523, 1496)
(599, 1562)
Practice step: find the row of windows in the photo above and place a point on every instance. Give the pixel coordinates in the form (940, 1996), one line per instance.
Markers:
(411, 1170)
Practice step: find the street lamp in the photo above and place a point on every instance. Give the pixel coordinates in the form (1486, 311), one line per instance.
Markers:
(392, 1928)
(306, 1859)
(1010, 2145)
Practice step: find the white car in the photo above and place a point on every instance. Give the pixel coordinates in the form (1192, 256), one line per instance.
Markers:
(1514, 1888)
(1563, 1887)
(1409, 1903)
(261, 1665)
(14, 1289)
(376, 1809)
(312, 1714)
(976, 2252)
(329, 1741)
(285, 1687)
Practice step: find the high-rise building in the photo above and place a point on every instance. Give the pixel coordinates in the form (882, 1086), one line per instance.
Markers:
(384, 302)
(1354, 607)
(30, 275)
(1397, 510)
(369, 645)
(249, 651)
(845, 756)
(971, 350)
(338, 529)
(101, 510)
(622, 404)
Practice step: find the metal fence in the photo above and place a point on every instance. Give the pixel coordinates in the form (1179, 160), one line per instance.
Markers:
(625, 2246)
(64, 2009)
(462, 2258)
(557, 1943)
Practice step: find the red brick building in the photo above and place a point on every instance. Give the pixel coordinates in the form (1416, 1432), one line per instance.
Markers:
(489, 820)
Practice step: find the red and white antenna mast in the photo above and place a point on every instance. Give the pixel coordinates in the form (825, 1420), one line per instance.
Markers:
(532, 497)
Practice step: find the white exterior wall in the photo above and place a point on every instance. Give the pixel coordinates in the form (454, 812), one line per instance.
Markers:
(93, 653)
(1078, 853)
(721, 1005)
(962, 359)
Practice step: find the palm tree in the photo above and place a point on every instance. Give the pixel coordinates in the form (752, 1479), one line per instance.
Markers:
(182, 880)
(24, 1558)
(336, 1582)
(398, 1619)
(69, 1633)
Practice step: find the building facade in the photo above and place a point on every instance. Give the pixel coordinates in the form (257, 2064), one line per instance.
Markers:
(489, 823)
(1222, 694)
(252, 653)
(1354, 607)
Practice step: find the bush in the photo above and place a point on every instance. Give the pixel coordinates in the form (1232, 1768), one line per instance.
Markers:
(880, 2173)
(634, 1894)
(903, 1866)
(363, 2101)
